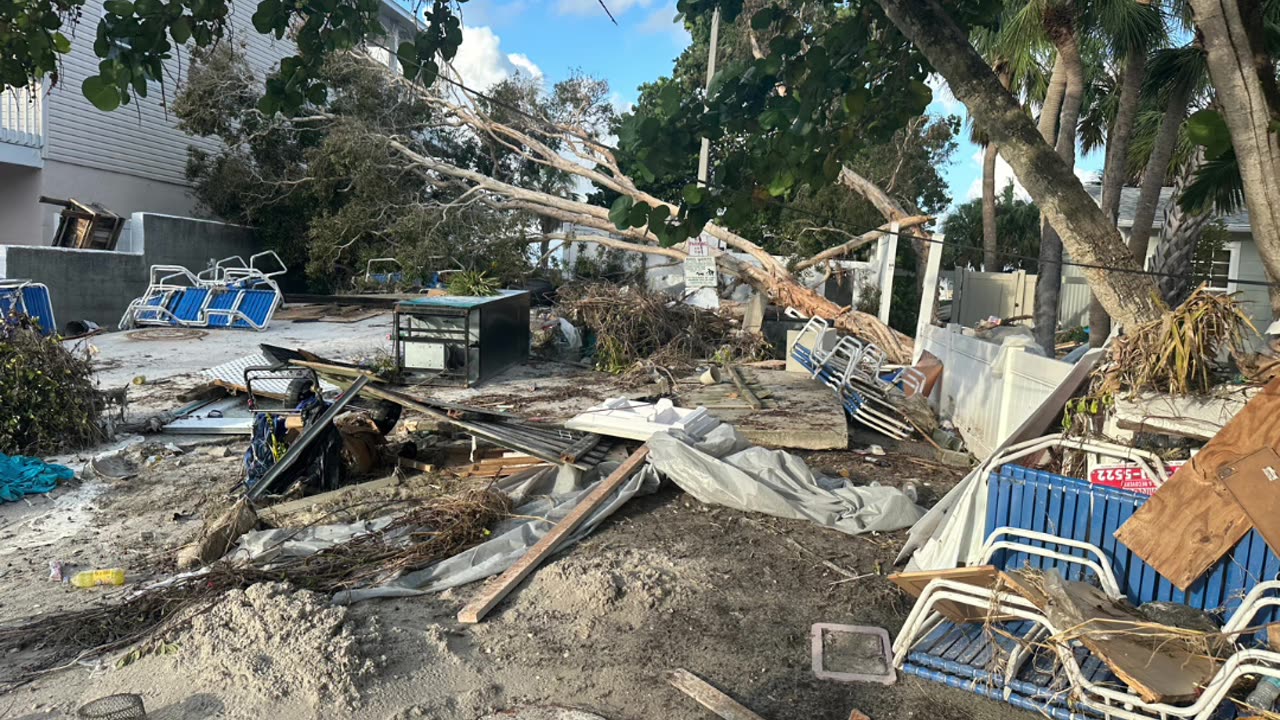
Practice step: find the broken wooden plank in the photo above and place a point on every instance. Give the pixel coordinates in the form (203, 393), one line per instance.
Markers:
(1161, 664)
(1208, 519)
(984, 576)
(709, 697)
(744, 390)
(274, 513)
(411, 464)
(493, 593)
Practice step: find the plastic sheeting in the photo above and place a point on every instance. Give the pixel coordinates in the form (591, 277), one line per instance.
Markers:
(268, 546)
(725, 470)
(722, 468)
(511, 538)
(21, 475)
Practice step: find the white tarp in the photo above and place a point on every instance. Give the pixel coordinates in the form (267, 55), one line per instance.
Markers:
(726, 470)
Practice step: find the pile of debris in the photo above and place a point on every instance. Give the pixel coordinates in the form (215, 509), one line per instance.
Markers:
(633, 325)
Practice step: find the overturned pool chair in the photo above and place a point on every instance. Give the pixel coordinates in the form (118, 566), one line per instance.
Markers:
(30, 299)
(232, 294)
(1048, 522)
(853, 368)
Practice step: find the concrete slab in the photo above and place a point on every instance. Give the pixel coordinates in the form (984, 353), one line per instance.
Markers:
(119, 357)
(799, 413)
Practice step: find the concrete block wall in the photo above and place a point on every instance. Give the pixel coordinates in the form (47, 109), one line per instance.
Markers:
(98, 285)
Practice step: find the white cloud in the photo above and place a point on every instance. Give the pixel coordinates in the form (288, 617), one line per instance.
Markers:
(523, 64)
(480, 61)
(1004, 175)
(591, 7)
(662, 22)
(942, 96)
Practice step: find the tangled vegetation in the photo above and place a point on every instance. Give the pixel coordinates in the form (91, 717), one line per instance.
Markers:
(439, 529)
(632, 325)
(1182, 353)
(48, 402)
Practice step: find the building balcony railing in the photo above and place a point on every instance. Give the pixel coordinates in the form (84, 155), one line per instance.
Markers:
(22, 120)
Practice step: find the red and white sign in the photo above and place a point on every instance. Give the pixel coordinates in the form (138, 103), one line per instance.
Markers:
(1125, 476)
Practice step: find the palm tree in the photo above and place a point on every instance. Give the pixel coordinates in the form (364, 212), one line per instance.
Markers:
(1131, 30)
(1016, 62)
(1175, 77)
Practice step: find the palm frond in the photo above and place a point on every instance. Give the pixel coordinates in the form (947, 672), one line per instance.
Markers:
(1179, 67)
(1217, 186)
(1127, 24)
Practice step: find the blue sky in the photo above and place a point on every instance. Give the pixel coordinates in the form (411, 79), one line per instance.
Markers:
(552, 38)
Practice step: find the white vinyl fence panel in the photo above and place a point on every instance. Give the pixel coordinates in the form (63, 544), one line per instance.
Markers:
(977, 296)
(986, 389)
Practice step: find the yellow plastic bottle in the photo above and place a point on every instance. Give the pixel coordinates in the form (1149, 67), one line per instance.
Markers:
(92, 578)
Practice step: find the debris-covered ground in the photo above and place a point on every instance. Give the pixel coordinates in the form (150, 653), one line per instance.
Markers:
(665, 583)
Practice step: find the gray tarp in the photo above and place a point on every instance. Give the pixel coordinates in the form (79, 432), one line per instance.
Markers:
(511, 539)
(725, 470)
(722, 469)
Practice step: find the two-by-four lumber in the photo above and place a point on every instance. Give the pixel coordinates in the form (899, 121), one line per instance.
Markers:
(493, 593)
(709, 697)
(744, 390)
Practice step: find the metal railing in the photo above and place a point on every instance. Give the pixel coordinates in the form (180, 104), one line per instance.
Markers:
(22, 117)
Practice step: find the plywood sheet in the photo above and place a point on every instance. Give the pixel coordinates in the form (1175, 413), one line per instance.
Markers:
(1254, 482)
(1193, 520)
(1160, 664)
(985, 576)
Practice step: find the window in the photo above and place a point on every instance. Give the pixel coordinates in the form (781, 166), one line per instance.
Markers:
(1214, 265)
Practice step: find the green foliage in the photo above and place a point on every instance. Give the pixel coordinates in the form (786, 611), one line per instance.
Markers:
(48, 402)
(1017, 227)
(329, 192)
(471, 283)
(135, 38)
(771, 201)
(608, 265)
(851, 80)
(1207, 129)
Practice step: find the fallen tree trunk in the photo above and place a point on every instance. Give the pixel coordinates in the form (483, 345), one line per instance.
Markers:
(763, 271)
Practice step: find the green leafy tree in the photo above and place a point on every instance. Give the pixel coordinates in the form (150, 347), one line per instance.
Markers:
(134, 38)
(325, 188)
(1017, 223)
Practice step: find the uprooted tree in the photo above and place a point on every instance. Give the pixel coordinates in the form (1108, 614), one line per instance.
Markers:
(454, 156)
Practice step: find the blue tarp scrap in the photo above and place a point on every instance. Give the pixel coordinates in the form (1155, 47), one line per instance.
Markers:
(21, 475)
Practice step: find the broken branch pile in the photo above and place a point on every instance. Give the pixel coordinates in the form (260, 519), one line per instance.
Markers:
(48, 402)
(633, 324)
(437, 530)
(1182, 353)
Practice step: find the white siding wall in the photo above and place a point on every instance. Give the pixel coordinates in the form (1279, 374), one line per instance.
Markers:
(140, 139)
(988, 390)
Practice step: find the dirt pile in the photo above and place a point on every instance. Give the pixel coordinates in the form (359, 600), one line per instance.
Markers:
(627, 586)
(274, 642)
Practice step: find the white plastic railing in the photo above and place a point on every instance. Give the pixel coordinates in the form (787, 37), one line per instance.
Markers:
(21, 117)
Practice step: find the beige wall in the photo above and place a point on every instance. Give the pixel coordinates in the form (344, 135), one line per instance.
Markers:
(25, 221)
(19, 211)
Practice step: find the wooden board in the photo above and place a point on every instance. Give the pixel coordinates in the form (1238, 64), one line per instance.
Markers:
(1159, 664)
(1207, 518)
(709, 697)
(497, 589)
(985, 576)
(1254, 482)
